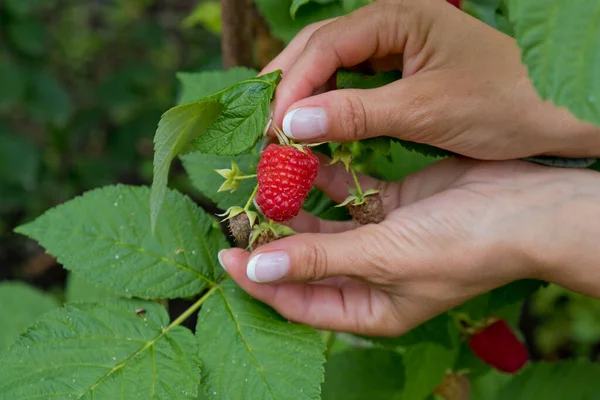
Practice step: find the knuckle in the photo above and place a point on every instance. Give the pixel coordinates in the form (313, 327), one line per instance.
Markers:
(354, 117)
(315, 260)
(318, 39)
(417, 117)
(310, 29)
(377, 253)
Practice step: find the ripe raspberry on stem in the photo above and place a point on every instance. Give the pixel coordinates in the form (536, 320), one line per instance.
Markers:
(285, 174)
(497, 345)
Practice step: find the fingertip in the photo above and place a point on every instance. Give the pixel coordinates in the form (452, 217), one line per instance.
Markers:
(220, 258)
(251, 269)
(287, 123)
(229, 258)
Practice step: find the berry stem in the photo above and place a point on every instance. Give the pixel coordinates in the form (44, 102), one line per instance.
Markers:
(358, 188)
(186, 314)
(283, 139)
(247, 206)
(241, 178)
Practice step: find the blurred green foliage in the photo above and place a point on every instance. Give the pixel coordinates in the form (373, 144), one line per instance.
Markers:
(82, 87)
(567, 322)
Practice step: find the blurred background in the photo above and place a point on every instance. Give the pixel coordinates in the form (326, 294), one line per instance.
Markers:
(82, 87)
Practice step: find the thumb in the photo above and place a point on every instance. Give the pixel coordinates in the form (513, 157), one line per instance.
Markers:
(349, 115)
(313, 257)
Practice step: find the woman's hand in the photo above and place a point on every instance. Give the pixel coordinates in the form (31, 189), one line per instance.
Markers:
(464, 87)
(454, 230)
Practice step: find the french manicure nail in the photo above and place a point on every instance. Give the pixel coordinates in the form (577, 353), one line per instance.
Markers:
(268, 267)
(305, 123)
(220, 258)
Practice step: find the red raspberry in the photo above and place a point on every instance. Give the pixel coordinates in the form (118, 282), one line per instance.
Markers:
(455, 3)
(498, 346)
(285, 175)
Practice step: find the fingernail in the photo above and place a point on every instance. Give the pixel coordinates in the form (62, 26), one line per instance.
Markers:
(305, 123)
(220, 258)
(268, 267)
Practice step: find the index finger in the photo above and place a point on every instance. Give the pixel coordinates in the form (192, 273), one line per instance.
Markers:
(349, 306)
(288, 56)
(373, 31)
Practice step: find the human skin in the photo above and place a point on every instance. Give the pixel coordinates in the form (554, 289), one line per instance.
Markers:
(464, 87)
(454, 230)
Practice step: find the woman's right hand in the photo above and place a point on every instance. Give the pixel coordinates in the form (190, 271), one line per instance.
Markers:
(464, 87)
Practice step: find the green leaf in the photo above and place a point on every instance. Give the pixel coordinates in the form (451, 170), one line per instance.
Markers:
(514, 292)
(196, 85)
(559, 43)
(502, 22)
(79, 289)
(207, 14)
(352, 5)
(247, 348)
(382, 145)
(281, 24)
(12, 84)
(19, 160)
(244, 117)
(177, 128)
(489, 385)
(355, 80)
(21, 306)
(483, 10)
(201, 169)
(426, 363)
(400, 163)
(317, 202)
(424, 149)
(105, 236)
(361, 374)
(296, 4)
(566, 380)
(440, 330)
(201, 394)
(102, 351)
(467, 360)
(504, 301)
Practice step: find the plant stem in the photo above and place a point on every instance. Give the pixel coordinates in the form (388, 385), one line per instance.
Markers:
(358, 189)
(193, 308)
(241, 178)
(247, 206)
(331, 338)
(237, 33)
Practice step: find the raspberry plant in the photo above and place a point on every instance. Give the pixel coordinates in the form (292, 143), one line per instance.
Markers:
(145, 246)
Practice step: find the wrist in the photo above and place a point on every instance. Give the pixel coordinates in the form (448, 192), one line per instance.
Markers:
(569, 253)
(565, 135)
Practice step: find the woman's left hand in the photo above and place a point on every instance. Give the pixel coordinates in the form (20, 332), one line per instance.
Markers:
(454, 230)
